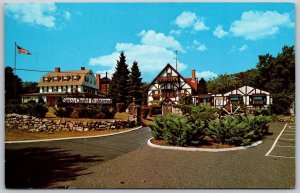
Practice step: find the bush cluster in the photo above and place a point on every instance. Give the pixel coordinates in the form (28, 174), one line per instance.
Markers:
(178, 130)
(37, 109)
(201, 123)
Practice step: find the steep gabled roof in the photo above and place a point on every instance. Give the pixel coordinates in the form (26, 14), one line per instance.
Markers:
(81, 74)
(169, 65)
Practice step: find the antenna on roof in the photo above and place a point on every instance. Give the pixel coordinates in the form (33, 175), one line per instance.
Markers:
(176, 53)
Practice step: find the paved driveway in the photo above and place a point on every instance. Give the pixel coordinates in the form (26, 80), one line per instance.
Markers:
(125, 161)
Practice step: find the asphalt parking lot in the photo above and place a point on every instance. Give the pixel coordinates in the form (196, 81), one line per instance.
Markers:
(125, 161)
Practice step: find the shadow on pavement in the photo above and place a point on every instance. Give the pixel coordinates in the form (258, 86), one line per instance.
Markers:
(42, 167)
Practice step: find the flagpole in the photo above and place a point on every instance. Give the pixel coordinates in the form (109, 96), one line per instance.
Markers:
(15, 72)
(15, 58)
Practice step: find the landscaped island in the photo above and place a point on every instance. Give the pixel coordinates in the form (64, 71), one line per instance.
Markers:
(202, 127)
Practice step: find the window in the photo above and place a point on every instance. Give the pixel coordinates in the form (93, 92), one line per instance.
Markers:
(55, 89)
(46, 79)
(65, 78)
(46, 89)
(234, 99)
(169, 74)
(64, 89)
(55, 78)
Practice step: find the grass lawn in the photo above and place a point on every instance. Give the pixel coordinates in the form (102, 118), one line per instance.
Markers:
(16, 135)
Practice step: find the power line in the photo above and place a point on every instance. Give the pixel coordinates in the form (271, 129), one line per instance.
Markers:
(33, 70)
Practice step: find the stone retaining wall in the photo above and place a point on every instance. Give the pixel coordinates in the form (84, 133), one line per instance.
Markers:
(33, 124)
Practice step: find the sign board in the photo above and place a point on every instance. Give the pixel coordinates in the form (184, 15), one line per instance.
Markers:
(87, 100)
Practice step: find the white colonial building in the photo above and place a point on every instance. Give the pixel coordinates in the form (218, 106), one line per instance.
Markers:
(56, 84)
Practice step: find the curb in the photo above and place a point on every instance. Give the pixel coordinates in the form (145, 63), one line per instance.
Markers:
(202, 149)
(68, 138)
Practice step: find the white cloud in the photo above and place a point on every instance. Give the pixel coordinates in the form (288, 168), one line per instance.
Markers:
(175, 32)
(199, 25)
(190, 19)
(200, 47)
(255, 25)
(151, 57)
(150, 37)
(206, 75)
(219, 32)
(185, 19)
(243, 48)
(33, 13)
(67, 15)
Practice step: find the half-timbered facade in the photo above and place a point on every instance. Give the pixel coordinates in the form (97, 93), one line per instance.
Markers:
(167, 88)
(248, 96)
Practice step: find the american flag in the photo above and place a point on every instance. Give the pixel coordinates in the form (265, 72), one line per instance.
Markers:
(23, 51)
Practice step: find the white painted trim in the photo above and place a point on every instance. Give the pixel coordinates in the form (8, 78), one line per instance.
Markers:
(285, 146)
(276, 140)
(202, 149)
(280, 156)
(67, 138)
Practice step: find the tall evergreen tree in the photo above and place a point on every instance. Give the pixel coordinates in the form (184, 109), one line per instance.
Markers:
(120, 82)
(13, 85)
(202, 88)
(135, 83)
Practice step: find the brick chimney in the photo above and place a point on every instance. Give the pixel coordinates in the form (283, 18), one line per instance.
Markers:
(98, 77)
(57, 69)
(193, 75)
(82, 68)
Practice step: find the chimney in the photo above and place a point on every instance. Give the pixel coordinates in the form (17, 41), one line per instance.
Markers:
(57, 69)
(82, 68)
(193, 75)
(98, 81)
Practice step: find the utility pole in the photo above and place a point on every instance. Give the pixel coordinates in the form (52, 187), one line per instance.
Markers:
(176, 58)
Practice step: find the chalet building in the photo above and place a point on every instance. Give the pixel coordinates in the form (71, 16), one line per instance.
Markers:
(168, 86)
(56, 84)
(248, 96)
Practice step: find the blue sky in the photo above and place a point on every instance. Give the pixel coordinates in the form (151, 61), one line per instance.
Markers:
(212, 38)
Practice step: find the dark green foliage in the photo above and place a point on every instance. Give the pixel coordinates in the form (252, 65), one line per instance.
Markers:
(63, 111)
(30, 87)
(120, 82)
(86, 111)
(204, 113)
(202, 87)
(177, 130)
(13, 85)
(221, 84)
(31, 108)
(135, 80)
(186, 100)
(239, 130)
(282, 103)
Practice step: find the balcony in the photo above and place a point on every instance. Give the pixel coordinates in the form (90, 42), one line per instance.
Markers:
(168, 79)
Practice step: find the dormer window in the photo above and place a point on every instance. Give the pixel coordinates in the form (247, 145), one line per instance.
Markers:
(75, 77)
(65, 78)
(55, 78)
(45, 79)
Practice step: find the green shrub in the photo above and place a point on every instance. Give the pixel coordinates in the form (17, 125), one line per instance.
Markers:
(240, 130)
(177, 130)
(63, 111)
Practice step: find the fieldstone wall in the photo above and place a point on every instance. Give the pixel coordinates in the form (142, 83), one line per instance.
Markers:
(34, 124)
